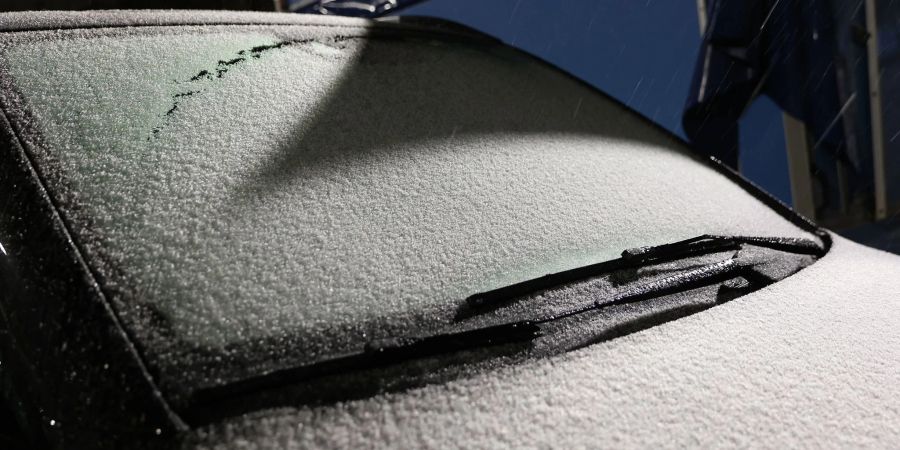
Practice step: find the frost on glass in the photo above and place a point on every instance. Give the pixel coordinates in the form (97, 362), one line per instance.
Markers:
(249, 186)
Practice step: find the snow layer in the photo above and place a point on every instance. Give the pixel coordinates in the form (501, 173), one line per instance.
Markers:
(250, 182)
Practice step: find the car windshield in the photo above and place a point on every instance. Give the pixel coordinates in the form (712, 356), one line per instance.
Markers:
(254, 197)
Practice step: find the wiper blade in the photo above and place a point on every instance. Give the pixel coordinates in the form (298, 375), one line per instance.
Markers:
(641, 256)
(376, 354)
(412, 347)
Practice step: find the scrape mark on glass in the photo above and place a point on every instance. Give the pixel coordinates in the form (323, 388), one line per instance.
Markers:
(209, 75)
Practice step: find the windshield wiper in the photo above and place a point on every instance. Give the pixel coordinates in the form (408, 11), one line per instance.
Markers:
(379, 353)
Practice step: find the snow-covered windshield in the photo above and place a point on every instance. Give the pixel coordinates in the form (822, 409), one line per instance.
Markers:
(262, 196)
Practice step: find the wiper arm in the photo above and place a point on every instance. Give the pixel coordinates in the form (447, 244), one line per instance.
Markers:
(526, 330)
(642, 256)
(380, 353)
(708, 243)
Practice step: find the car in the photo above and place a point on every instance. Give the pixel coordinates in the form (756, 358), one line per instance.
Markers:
(258, 230)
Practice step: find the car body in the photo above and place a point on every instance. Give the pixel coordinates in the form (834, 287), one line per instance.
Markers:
(261, 231)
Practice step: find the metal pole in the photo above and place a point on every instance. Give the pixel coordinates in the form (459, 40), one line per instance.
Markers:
(875, 112)
(701, 15)
(797, 145)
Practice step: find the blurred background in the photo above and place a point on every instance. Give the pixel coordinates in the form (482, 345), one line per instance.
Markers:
(801, 96)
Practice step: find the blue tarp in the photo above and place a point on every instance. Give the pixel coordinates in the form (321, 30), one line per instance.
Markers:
(781, 48)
